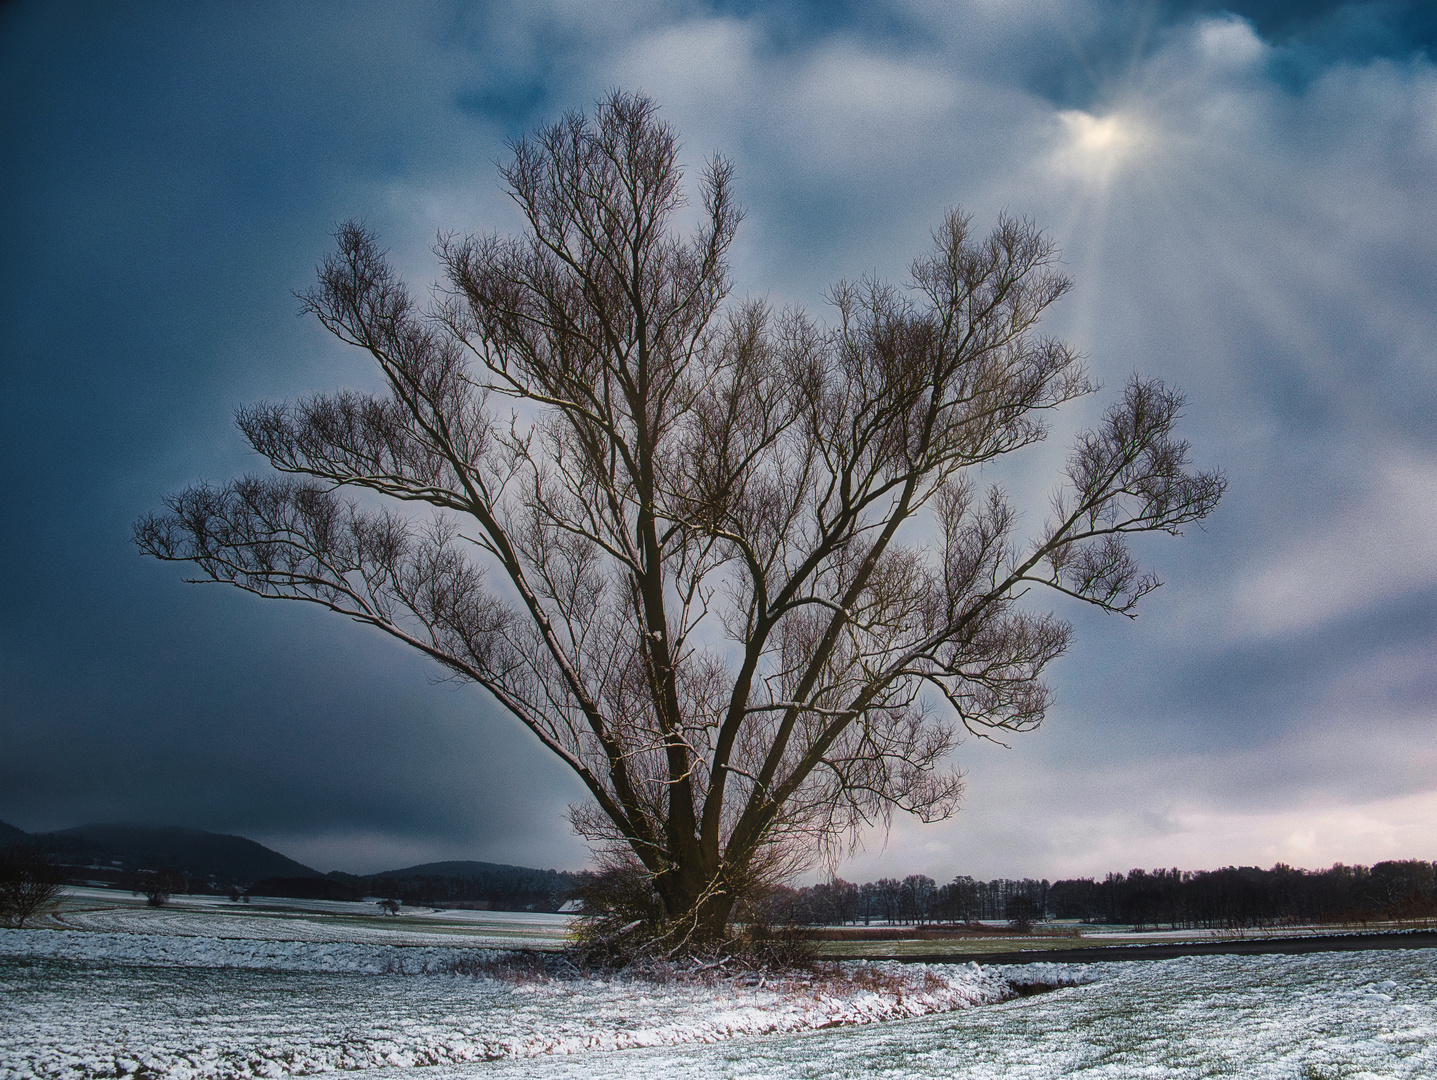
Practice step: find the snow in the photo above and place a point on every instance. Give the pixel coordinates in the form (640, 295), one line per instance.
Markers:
(263, 954)
(78, 1005)
(1318, 1016)
(81, 1005)
(520, 930)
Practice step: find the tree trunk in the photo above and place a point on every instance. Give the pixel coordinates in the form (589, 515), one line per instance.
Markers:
(698, 902)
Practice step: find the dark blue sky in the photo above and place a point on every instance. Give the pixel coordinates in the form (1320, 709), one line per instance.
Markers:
(1246, 195)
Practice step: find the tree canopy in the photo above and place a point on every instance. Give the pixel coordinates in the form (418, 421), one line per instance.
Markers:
(732, 565)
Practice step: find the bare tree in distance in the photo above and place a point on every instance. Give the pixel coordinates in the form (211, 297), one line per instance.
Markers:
(731, 565)
(156, 886)
(30, 883)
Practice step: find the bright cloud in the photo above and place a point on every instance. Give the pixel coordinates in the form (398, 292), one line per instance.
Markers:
(1096, 145)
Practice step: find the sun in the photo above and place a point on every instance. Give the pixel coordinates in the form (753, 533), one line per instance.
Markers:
(1095, 146)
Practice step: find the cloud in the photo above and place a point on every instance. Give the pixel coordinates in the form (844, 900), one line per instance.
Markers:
(1353, 558)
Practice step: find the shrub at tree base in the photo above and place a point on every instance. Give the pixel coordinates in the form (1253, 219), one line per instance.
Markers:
(625, 925)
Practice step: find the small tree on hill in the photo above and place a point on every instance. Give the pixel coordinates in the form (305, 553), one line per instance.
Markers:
(732, 566)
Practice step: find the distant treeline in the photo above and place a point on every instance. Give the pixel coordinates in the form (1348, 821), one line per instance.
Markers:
(503, 888)
(1234, 897)
(1248, 896)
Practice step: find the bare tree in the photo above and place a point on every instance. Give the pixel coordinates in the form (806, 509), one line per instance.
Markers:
(30, 883)
(730, 565)
(156, 886)
(1021, 911)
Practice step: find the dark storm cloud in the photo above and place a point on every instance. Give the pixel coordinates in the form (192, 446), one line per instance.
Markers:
(1310, 35)
(1073, 53)
(1279, 677)
(170, 177)
(1267, 241)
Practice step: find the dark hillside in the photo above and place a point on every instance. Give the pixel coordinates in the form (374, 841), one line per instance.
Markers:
(192, 851)
(306, 888)
(462, 868)
(11, 835)
(117, 854)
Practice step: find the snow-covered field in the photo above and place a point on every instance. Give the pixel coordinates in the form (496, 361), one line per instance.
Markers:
(1358, 1016)
(104, 1005)
(76, 1004)
(310, 920)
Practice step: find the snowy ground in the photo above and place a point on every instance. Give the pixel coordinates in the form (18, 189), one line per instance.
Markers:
(78, 1005)
(104, 1005)
(1359, 1016)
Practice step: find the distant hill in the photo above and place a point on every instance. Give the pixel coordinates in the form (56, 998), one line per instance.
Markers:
(111, 853)
(463, 868)
(307, 888)
(11, 835)
(193, 851)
